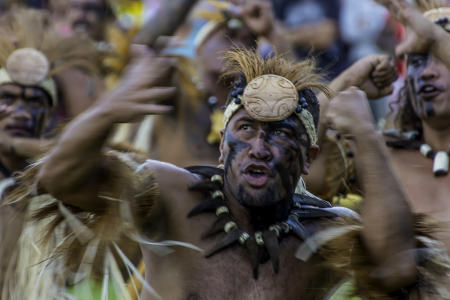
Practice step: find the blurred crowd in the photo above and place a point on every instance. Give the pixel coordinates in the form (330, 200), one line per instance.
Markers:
(383, 131)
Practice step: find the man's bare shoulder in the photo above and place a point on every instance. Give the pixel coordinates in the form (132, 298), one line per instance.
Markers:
(170, 177)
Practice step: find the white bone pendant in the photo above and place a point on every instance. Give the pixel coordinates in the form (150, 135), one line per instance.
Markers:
(440, 164)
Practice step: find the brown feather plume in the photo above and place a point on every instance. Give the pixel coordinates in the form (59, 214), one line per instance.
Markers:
(303, 74)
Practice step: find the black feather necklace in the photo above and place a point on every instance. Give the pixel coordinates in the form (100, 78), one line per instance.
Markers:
(262, 245)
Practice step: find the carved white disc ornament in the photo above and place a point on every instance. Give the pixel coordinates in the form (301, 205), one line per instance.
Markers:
(27, 66)
(270, 98)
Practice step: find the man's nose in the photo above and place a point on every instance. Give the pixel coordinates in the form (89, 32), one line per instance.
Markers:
(430, 71)
(20, 112)
(259, 148)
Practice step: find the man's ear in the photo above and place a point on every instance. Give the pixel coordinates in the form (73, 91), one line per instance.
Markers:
(222, 134)
(313, 151)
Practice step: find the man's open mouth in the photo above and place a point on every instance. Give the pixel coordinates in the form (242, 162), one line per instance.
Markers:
(19, 131)
(256, 175)
(429, 91)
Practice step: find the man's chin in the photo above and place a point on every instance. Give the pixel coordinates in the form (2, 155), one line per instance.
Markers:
(257, 197)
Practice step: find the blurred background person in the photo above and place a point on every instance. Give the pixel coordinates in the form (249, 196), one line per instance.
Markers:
(312, 26)
(366, 28)
(32, 54)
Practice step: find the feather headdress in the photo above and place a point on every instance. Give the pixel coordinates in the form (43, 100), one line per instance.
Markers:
(272, 88)
(31, 52)
(435, 10)
(425, 5)
(303, 74)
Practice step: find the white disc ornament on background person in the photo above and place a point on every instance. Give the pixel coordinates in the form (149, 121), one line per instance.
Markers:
(27, 66)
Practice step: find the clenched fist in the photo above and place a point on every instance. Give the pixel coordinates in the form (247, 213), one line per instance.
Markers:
(349, 112)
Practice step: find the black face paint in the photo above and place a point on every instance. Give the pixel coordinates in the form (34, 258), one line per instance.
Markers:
(23, 90)
(416, 65)
(290, 150)
(285, 139)
(413, 96)
(38, 119)
(33, 104)
(429, 109)
(235, 146)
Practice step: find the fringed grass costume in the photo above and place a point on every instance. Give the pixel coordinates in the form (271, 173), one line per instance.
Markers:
(31, 53)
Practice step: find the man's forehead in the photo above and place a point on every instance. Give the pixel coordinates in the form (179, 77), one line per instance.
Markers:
(14, 88)
(242, 114)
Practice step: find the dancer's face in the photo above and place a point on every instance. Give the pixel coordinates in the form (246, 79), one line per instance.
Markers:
(88, 16)
(23, 110)
(263, 160)
(429, 84)
(211, 53)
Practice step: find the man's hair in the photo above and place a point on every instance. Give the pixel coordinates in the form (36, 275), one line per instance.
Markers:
(245, 65)
(405, 118)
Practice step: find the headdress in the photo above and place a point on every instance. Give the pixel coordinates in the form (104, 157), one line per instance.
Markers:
(31, 52)
(272, 92)
(437, 11)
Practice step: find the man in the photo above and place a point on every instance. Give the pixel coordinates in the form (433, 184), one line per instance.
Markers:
(28, 94)
(243, 215)
(426, 111)
(313, 28)
(419, 146)
(89, 17)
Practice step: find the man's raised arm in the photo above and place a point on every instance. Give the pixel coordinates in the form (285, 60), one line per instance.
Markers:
(73, 170)
(387, 219)
(423, 34)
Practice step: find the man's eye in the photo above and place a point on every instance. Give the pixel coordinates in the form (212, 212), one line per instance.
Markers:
(244, 127)
(415, 61)
(7, 99)
(279, 132)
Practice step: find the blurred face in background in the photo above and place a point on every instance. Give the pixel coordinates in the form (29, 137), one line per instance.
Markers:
(429, 82)
(210, 55)
(88, 17)
(23, 110)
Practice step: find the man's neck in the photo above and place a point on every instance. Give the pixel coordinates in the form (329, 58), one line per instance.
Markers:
(439, 140)
(258, 218)
(263, 217)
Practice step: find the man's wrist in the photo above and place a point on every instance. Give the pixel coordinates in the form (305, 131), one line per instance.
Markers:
(342, 82)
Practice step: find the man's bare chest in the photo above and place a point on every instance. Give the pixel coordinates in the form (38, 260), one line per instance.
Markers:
(228, 275)
(427, 194)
